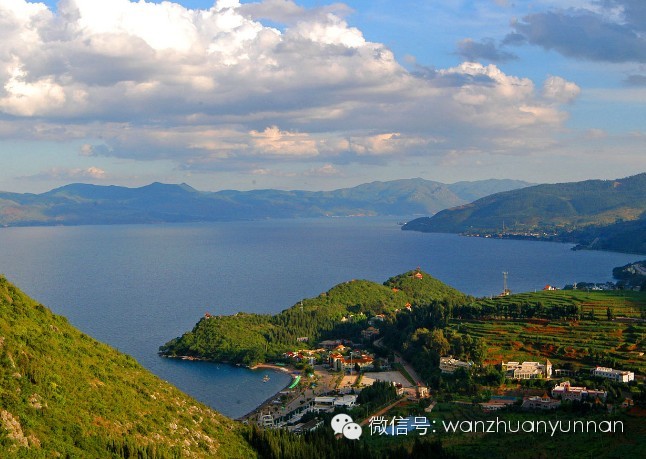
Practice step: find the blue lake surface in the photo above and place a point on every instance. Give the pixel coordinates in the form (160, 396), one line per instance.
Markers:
(137, 286)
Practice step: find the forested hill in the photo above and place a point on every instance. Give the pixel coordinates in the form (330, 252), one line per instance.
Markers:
(598, 214)
(81, 204)
(339, 313)
(64, 394)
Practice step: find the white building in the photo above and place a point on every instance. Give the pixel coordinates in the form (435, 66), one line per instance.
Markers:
(527, 370)
(615, 375)
(328, 403)
(449, 364)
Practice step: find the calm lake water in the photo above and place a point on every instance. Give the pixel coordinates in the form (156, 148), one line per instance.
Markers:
(137, 286)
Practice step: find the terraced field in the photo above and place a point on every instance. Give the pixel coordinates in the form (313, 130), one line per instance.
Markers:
(591, 340)
(622, 303)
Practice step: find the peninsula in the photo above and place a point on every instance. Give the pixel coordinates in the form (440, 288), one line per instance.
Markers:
(594, 214)
(415, 347)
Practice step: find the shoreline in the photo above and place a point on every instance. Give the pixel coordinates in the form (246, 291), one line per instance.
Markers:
(288, 369)
(271, 366)
(268, 402)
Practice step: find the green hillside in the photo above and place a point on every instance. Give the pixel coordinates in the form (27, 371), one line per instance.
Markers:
(598, 214)
(64, 394)
(253, 338)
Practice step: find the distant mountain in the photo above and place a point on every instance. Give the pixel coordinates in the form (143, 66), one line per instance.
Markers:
(470, 191)
(80, 204)
(597, 214)
(65, 394)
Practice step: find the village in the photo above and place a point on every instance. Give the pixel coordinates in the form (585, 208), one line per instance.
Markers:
(332, 376)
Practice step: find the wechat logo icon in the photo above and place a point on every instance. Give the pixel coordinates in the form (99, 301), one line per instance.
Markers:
(343, 424)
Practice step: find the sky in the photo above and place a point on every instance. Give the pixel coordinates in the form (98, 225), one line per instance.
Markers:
(319, 95)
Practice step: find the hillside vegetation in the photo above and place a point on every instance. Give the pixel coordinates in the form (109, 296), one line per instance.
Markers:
(64, 394)
(598, 214)
(253, 338)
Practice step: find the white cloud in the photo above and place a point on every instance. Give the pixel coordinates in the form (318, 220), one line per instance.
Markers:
(273, 141)
(65, 174)
(205, 88)
(560, 90)
(327, 170)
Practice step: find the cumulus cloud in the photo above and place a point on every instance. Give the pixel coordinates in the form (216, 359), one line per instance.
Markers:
(273, 141)
(560, 90)
(612, 32)
(216, 88)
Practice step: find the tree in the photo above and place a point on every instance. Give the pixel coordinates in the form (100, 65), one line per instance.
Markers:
(438, 342)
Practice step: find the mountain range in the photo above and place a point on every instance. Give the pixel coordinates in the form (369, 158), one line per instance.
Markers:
(596, 214)
(79, 204)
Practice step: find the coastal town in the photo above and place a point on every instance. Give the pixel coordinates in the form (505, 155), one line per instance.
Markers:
(330, 379)
(399, 356)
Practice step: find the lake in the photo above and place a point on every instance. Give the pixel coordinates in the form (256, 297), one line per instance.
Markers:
(137, 286)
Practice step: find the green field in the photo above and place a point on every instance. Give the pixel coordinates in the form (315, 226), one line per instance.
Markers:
(594, 339)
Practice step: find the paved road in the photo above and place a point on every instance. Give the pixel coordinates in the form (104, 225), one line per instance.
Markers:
(404, 363)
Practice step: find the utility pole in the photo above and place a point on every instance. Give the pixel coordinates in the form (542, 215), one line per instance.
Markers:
(505, 290)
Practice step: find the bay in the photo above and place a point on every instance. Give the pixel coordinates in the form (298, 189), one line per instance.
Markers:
(137, 286)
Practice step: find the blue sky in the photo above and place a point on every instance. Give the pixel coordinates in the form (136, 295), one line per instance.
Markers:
(319, 95)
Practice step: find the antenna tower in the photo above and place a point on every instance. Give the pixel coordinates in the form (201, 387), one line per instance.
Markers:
(505, 290)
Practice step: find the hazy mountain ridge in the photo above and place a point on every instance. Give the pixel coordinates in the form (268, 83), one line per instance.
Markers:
(78, 204)
(597, 214)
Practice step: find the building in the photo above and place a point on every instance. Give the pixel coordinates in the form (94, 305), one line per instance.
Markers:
(329, 344)
(265, 420)
(329, 403)
(527, 370)
(348, 400)
(340, 362)
(308, 426)
(496, 404)
(540, 403)
(565, 391)
(449, 364)
(615, 375)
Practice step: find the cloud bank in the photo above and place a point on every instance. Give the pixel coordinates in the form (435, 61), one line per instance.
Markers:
(217, 89)
(606, 31)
